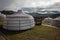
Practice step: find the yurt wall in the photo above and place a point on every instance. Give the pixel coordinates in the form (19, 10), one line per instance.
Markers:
(38, 20)
(19, 21)
(2, 18)
(56, 22)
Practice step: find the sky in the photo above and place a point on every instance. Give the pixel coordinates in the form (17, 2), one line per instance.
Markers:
(18, 4)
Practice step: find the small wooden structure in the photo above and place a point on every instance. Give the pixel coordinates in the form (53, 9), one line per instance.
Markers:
(38, 20)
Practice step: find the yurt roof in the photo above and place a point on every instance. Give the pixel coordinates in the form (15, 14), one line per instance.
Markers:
(48, 18)
(2, 14)
(58, 18)
(19, 14)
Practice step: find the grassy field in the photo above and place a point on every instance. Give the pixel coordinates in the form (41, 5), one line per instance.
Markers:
(46, 23)
(37, 33)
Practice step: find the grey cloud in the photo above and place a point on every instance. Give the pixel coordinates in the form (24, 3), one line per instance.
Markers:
(17, 4)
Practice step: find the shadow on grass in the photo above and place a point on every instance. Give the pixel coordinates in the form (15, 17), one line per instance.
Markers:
(10, 32)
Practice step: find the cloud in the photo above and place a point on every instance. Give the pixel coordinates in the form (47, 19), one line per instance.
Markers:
(5, 3)
(40, 3)
(18, 4)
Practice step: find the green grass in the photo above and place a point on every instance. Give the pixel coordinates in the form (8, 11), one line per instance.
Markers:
(46, 23)
(37, 33)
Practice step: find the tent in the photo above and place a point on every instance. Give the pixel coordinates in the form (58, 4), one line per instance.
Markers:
(48, 19)
(2, 16)
(19, 21)
(56, 22)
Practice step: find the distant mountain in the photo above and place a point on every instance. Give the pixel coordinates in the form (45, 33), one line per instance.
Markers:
(30, 10)
(44, 15)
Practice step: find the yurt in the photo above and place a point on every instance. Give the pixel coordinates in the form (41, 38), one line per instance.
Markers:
(48, 19)
(2, 18)
(19, 21)
(56, 22)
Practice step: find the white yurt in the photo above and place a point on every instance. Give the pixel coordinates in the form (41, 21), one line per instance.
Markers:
(2, 16)
(19, 21)
(56, 22)
(48, 19)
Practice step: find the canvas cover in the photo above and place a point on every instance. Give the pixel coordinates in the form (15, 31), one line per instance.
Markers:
(19, 21)
(48, 19)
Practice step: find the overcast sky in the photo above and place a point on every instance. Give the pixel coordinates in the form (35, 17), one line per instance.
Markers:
(17, 4)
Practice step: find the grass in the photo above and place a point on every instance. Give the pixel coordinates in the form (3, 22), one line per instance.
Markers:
(37, 33)
(46, 23)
